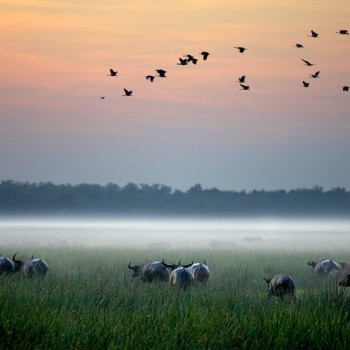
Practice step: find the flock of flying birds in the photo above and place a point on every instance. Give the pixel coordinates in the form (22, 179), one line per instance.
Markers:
(187, 59)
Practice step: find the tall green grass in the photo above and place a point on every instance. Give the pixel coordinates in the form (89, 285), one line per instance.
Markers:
(90, 301)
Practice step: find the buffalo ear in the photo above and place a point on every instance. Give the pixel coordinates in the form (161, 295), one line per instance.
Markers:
(268, 280)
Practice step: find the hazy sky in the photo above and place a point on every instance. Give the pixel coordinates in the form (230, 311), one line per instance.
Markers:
(196, 125)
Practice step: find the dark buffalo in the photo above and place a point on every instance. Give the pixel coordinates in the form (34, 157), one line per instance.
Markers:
(32, 267)
(346, 281)
(280, 285)
(150, 271)
(325, 267)
(6, 266)
(200, 272)
(181, 275)
(345, 268)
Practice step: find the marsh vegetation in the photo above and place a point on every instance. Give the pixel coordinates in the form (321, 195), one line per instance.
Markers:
(90, 300)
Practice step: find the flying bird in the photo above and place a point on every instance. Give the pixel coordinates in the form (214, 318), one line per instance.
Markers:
(345, 88)
(305, 84)
(307, 63)
(343, 32)
(127, 92)
(150, 78)
(240, 49)
(241, 79)
(315, 75)
(190, 58)
(205, 55)
(102, 97)
(183, 62)
(299, 46)
(244, 87)
(113, 73)
(313, 34)
(161, 73)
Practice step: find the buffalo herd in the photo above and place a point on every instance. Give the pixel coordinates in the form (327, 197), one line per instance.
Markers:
(175, 274)
(184, 276)
(31, 267)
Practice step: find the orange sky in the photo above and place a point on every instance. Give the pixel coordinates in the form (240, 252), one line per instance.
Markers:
(194, 126)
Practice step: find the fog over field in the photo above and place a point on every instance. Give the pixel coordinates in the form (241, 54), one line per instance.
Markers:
(173, 234)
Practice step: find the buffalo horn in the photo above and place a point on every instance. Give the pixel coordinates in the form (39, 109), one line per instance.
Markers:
(131, 267)
(187, 265)
(14, 257)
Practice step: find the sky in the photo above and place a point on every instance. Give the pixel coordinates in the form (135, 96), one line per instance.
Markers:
(194, 127)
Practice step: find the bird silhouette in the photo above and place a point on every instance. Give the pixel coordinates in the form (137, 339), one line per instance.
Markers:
(127, 92)
(307, 63)
(315, 75)
(313, 34)
(345, 88)
(113, 73)
(102, 97)
(343, 32)
(183, 62)
(205, 55)
(241, 79)
(240, 49)
(150, 78)
(299, 46)
(244, 87)
(305, 84)
(190, 58)
(161, 73)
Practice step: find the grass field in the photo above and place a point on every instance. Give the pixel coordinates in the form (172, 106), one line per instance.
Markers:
(90, 301)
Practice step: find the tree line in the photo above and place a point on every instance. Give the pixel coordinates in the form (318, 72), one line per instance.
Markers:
(45, 198)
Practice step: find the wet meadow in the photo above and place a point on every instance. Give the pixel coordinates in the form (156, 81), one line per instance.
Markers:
(89, 299)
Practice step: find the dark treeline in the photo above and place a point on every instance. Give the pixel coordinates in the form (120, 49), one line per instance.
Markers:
(45, 198)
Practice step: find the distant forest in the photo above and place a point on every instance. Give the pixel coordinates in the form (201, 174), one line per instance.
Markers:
(45, 198)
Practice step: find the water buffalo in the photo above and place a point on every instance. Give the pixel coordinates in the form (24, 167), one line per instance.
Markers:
(30, 268)
(200, 272)
(150, 271)
(280, 285)
(325, 267)
(346, 281)
(6, 266)
(345, 268)
(180, 275)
